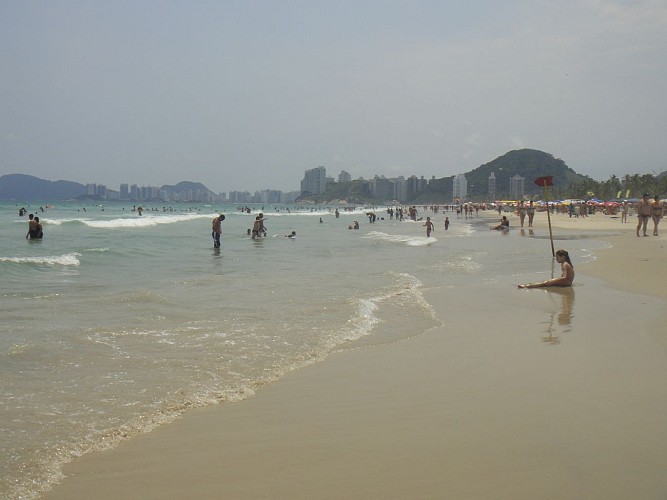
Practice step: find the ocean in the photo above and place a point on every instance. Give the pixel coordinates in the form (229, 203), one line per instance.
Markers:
(115, 323)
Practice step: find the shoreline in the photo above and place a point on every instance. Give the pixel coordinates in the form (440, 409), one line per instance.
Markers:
(476, 408)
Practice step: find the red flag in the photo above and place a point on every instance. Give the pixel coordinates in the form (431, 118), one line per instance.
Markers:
(545, 181)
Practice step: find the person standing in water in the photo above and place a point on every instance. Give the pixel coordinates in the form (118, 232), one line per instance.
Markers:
(429, 227)
(567, 276)
(216, 230)
(32, 227)
(39, 230)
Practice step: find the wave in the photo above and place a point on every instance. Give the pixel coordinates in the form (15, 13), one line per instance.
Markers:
(141, 222)
(406, 289)
(413, 241)
(68, 259)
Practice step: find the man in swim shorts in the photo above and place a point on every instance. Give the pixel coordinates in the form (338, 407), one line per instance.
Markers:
(643, 213)
(216, 230)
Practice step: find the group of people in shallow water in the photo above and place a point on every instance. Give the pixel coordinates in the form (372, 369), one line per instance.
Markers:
(258, 229)
(562, 256)
(35, 229)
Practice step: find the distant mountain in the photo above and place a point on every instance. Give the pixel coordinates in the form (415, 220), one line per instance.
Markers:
(22, 187)
(187, 187)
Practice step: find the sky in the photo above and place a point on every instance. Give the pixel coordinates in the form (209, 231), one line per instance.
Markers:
(246, 95)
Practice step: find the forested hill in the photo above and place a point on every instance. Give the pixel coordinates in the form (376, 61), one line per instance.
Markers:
(527, 163)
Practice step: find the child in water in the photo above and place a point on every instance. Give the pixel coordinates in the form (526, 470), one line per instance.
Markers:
(429, 227)
(566, 279)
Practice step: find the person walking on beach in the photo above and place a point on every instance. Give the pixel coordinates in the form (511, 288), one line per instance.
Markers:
(446, 223)
(656, 213)
(531, 213)
(643, 213)
(567, 276)
(624, 212)
(429, 227)
(216, 230)
(522, 213)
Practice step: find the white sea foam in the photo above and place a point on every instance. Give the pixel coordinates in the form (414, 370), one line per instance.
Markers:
(413, 241)
(68, 259)
(60, 222)
(141, 222)
(364, 322)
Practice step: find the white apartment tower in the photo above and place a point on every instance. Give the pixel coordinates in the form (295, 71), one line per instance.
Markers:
(314, 181)
(492, 187)
(516, 187)
(460, 188)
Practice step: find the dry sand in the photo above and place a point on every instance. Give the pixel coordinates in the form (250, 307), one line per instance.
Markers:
(520, 395)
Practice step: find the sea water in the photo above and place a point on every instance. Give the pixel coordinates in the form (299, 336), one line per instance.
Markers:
(116, 322)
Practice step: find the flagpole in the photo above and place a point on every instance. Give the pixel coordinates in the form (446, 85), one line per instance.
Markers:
(551, 237)
(545, 182)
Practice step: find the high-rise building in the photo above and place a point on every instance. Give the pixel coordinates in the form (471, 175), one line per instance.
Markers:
(344, 176)
(314, 181)
(459, 188)
(492, 187)
(516, 187)
(383, 188)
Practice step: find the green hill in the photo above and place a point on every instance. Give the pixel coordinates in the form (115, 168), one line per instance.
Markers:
(527, 163)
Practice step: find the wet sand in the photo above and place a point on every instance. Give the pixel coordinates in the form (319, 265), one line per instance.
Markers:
(521, 394)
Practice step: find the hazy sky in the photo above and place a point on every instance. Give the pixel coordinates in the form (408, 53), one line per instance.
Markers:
(247, 95)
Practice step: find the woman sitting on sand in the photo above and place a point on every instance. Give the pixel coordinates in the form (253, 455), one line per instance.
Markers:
(566, 279)
(503, 226)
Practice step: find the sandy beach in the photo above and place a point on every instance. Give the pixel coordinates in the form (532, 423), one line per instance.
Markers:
(521, 394)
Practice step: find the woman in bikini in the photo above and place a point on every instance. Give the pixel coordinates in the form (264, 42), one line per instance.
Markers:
(656, 214)
(566, 279)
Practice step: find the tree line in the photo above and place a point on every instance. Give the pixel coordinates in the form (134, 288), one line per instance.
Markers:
(629, 186)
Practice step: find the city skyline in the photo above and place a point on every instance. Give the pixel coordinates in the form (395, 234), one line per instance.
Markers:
(247, 94)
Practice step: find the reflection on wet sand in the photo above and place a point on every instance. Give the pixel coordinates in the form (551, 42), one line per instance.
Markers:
(560, 321)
